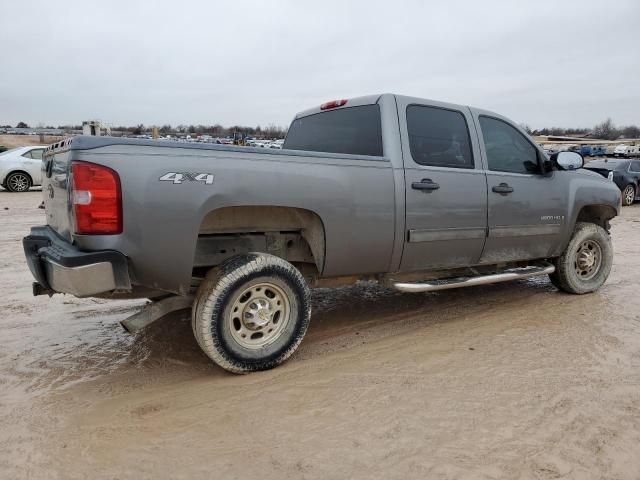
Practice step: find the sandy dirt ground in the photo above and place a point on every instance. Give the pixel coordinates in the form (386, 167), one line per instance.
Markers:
(13, 141)
(512, 381)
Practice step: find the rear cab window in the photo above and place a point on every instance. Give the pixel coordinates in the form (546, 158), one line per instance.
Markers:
(351, 130)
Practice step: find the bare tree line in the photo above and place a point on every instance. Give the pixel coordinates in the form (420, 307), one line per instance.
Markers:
(605, 130)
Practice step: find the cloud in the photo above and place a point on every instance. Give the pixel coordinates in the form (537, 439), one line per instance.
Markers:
(249, 62)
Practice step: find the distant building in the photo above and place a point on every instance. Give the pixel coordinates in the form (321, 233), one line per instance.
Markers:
(91, 127)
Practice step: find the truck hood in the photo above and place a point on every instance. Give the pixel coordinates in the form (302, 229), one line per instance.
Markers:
(591, 173)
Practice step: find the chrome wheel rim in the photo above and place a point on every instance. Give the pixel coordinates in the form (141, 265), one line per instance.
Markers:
(258, 315)
(588, 260)
(629, 195)
(18, 182)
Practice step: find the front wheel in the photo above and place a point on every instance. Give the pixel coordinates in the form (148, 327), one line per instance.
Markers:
(585, 264)
(251, 312)
(628, 195)
(18, 182)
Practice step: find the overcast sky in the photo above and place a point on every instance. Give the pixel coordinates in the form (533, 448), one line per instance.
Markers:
(545, 63)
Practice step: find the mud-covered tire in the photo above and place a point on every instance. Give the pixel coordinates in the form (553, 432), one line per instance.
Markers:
(572, 274)
(628, 195)
(215, 323)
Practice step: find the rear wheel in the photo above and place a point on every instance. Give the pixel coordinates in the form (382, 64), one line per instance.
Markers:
(585, 264)
(628, 195)
(18, 182)
(251, 312)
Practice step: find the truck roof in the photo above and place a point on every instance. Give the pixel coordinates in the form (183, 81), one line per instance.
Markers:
(89, 142)
(351, 102)
(372, 99)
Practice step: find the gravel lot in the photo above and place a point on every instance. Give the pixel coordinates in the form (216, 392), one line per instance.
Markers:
(504, 381)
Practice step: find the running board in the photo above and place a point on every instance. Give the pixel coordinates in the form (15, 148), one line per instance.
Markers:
(507, 275)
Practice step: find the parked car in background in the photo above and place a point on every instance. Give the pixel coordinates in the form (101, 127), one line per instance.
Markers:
(20, 168)
(584, 150)
(624, 173)
(591, 150)
(610, 149)
(276, 144)
(627, 151)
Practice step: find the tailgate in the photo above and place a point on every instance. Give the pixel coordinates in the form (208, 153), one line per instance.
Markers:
(55, 188)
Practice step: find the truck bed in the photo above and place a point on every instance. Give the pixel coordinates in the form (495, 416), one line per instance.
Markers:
(162, 219)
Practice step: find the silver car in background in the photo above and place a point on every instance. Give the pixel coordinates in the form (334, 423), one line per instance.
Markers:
(20, 168)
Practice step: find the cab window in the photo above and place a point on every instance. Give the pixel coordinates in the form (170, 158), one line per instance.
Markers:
(352, 130)
(438, 137)
(507, 149)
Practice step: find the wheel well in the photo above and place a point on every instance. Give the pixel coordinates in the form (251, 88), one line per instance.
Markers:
(598, 214)
(295, 234)
(18, 171)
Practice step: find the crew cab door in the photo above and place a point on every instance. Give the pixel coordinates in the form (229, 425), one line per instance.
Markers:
(526, 207)
(446, 190)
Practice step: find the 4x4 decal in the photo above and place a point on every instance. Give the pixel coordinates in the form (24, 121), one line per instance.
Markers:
(179, 177)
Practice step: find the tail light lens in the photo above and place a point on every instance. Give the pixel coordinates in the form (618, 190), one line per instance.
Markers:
(96, 199)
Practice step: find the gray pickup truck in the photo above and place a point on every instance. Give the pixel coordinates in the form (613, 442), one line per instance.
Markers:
(416, 194)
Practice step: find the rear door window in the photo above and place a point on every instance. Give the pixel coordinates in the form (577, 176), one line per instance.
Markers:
(439, 137)
(353, 130)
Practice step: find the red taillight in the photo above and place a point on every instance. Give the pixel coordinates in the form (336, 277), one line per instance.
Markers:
(333, 104)
(96, 199)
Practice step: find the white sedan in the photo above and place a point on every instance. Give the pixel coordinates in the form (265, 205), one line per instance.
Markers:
(20, 168)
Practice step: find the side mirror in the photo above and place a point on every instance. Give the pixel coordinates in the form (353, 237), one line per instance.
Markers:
(568, 160)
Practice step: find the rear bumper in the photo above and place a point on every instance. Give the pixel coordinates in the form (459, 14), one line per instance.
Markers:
(59, 266)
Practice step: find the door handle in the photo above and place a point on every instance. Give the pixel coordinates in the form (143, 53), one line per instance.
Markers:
(502, 189)
(425, 184)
